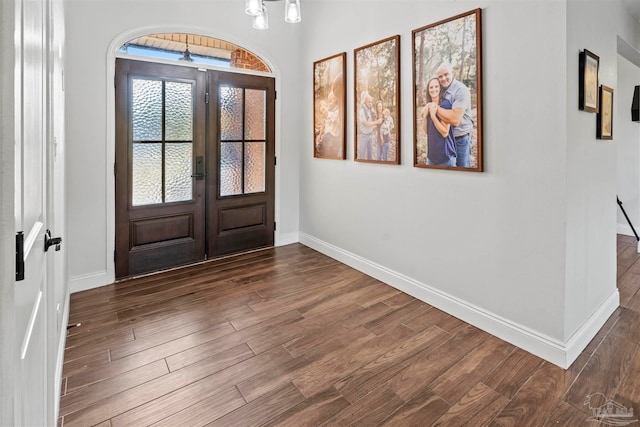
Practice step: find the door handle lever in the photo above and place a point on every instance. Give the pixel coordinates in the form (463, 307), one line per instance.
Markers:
(199, 168)
(51, 241)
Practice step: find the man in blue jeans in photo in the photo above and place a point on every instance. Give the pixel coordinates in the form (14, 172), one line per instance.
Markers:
(459, 117)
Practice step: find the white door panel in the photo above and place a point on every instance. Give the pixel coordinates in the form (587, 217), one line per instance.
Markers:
(30, 294)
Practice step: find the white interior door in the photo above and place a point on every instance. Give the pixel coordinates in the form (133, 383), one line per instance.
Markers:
(32, 391)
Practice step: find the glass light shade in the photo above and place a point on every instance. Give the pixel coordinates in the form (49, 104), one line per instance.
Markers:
(253, 7)
(292, 11)
(261, 21)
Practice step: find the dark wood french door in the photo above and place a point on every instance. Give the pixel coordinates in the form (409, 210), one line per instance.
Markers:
(194, 165)
(241, 192)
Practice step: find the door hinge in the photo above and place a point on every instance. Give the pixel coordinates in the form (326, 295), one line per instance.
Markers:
(206, 98)
(274, 225)
(275, 161)
(115, 169)
(19, 256)
(275, 95)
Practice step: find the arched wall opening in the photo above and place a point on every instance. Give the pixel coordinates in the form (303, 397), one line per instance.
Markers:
(113, 52)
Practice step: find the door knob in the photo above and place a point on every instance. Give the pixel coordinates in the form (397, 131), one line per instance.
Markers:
(51, 241)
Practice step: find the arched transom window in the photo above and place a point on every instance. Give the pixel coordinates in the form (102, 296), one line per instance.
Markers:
(194, 48)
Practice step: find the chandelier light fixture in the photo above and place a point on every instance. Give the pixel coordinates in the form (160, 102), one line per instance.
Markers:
(258, 10)
(186, 55)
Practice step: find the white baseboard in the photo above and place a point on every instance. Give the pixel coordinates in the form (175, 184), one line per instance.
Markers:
(286, 239)
(550, 349)
(60, 358)
(579, 340)
(88, 281)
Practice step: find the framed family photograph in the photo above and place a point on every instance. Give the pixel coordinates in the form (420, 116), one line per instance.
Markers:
(377, 102)
(604, 124)
(588, 81)
(329, 107)
(447, 103)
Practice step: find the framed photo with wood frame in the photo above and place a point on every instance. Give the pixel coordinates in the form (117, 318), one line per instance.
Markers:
(604, 124)
(329, 107)
(588, 81)
(377, 102)
(447, 97)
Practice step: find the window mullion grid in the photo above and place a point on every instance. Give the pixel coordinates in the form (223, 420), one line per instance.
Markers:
(164, 139)
(244, 137)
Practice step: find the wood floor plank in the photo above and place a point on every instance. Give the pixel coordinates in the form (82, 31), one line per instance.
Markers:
(331, 338)
(398, 300)
(193, 333)
(604, 371)
(423, 371)
(510, 376)
(627, 326)
(270, 380)
(366, 315)
(628, 392)
(204, 411)
(100, 342)
(204, 314)
(371, 410)
(94, 393)
(566, 415)
(329, 369)
(537, 398)
(313, 411)
(457, 381)
(422, 410)
(195, 350)
(223, 376)
(397, 317)
(165, 406)
(263, 409)
(376, 373)
(282, 334)
(478, 407)
(84, 361)
(433, 316)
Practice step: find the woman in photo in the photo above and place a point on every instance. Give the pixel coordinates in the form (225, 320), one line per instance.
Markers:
(441, 149)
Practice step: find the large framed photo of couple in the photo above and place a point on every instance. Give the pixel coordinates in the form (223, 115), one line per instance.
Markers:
(377, 102)
(447, 81)
(329, 107)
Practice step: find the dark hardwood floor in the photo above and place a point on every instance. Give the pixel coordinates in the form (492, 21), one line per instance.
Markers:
(290, 337)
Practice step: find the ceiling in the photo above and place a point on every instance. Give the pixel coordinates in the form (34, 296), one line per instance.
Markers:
(200, 45)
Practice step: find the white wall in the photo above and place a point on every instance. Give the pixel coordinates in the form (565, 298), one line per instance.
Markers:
(627, 134)
(591, 164)
(497, 248)
(91, 28)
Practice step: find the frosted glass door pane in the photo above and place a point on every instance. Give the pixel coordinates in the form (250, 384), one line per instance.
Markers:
(254, 170)
(230, 113)
(147, 110)
(230, 168)
(146, 174)
(179, 111)
(178, 167)
(255, 114)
